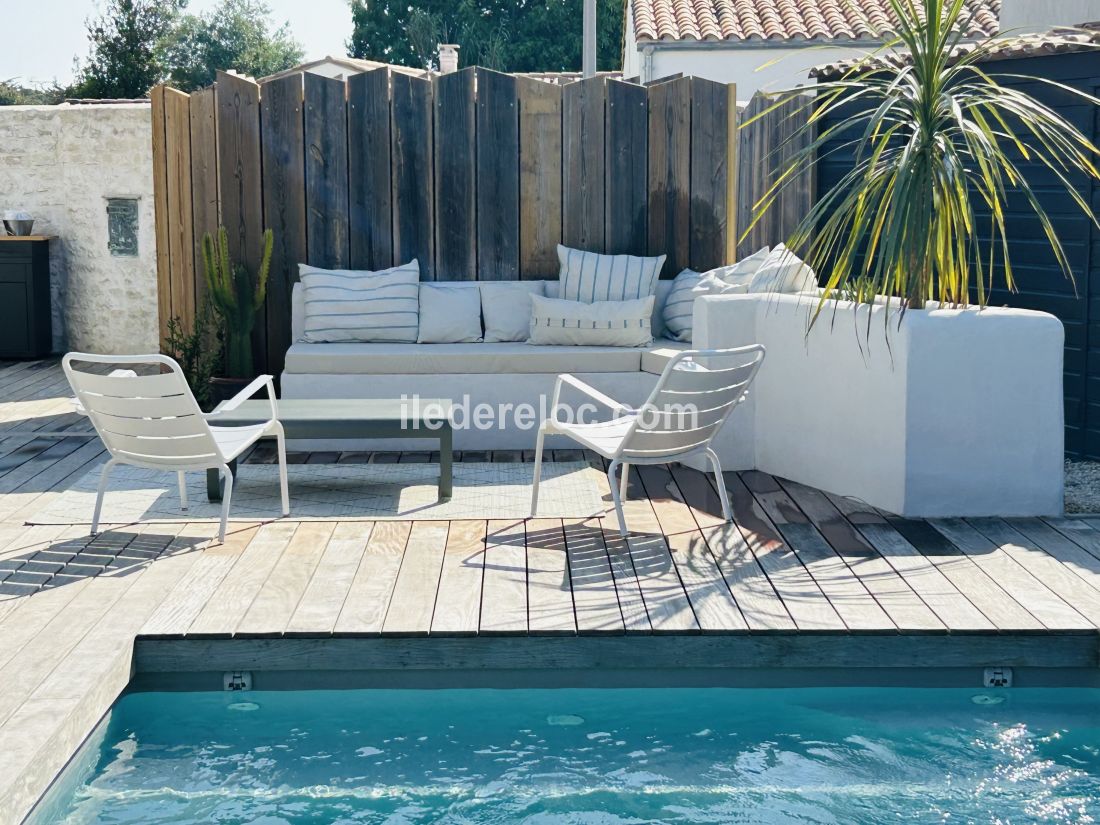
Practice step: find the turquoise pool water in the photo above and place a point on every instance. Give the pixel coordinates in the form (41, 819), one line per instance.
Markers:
(600, 757)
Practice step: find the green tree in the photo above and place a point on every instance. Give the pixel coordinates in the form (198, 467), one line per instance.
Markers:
(509, 35)
(237, 34)
(122, 59)
(13, 94)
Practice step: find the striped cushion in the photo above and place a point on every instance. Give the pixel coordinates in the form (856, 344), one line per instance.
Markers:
(590, 277)
(597, 324)
(357, 305)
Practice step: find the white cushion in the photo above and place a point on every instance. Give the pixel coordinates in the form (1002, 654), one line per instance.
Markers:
(680, 306)
(506, 308)
(657, 356)
(656, 320)
(449, 314)
(591, 277)
(783, 271)
(359, 305)
(603, 323)
(499, 360)
(742, 272)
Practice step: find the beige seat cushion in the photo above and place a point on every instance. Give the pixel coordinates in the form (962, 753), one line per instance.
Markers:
(657, 356)
(483, 358)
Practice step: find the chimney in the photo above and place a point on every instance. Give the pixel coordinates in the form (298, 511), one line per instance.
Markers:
(448, 58)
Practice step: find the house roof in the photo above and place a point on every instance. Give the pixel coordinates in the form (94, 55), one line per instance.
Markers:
(1085, 37)
(778, 20)
(354, 65)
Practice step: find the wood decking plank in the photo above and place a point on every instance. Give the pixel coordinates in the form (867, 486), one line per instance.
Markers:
(549, 588)
(413, 601)
(1084, 532)
(594, 594)
(458, 600)
(181, 607)
(1026, 591)
(223, 612)
(666, 601)
(1080, 594)
(1063, 546)
(271, 610)
(504, 588)
(752, 591)
(371, 590)
(324, 597)
(845, 591)
(710, 597)
(799, 591)
(893, 594)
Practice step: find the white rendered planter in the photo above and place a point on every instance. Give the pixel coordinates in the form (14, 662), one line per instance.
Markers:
(949, 413)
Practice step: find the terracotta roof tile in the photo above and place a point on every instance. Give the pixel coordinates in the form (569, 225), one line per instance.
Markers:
(783, 19)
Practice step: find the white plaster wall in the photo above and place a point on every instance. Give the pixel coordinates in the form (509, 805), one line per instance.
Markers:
(950, 413)
(771, 69)
(61, 163)
(1041, 15)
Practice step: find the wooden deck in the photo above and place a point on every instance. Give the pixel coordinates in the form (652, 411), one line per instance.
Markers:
(802, 579)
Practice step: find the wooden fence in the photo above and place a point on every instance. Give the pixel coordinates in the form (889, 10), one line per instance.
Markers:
(477, 174)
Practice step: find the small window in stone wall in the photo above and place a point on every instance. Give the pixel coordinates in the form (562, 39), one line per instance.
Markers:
(122, 227)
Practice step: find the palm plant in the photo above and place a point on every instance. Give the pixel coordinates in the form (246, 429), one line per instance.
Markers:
(935, 139)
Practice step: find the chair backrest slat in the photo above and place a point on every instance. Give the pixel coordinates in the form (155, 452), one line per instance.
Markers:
(147, 419)
(691, 402)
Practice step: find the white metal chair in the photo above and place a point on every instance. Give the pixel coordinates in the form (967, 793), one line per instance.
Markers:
(694, 396)
(153, 421)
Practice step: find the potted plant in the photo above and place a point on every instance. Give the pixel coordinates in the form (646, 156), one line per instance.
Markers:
(934, 137)
(198, 351)
(236, 297)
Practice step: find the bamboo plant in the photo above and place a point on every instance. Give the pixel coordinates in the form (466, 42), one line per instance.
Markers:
(236, 297)
(936, 141)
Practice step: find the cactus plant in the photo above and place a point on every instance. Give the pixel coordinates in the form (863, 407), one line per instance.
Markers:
(235, 297)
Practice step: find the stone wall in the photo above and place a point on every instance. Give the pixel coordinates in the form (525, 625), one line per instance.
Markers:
(61, 164)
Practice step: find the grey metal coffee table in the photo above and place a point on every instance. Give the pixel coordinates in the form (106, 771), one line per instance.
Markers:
(350, 418)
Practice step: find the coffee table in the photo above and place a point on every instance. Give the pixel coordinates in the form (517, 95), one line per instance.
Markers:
(344, 418)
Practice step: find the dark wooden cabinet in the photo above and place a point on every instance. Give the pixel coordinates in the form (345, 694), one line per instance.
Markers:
(25, 314)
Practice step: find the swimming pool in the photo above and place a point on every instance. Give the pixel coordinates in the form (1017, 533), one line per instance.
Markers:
(602, 756)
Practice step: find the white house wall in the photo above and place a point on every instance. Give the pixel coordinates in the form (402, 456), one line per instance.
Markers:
(61, 163)
(771, 69)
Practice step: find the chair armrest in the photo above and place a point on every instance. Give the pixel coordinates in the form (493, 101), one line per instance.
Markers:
(248, 392)
(591, 392)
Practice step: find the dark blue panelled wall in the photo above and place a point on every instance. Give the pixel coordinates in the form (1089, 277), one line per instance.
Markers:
(1040, 283)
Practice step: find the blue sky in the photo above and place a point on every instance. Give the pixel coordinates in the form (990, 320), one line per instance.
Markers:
(39, 38)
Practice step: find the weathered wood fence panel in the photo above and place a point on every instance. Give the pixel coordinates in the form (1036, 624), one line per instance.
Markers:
(369, 162)
(413, 193)
(204, 178)
(284, 176)
(455, 176)
(768, 138)
(239, 180)
(584, 144)
(670, 172)
(497, 177)
(540, 171)
(478, 175)
(627, 172)
(326, 133)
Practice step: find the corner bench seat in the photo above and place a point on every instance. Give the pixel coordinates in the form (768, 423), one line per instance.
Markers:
(480, 358)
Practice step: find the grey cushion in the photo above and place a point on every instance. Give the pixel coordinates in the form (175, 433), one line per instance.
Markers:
(428, 359)
(449, 314)
(506, 308)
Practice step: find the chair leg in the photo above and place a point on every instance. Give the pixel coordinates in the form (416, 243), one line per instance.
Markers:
(103, 476)
(538, 472)
(183, 489)
(624, 482)
(720, 483)
(616, 496)
(280, 441)
(227, 495)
